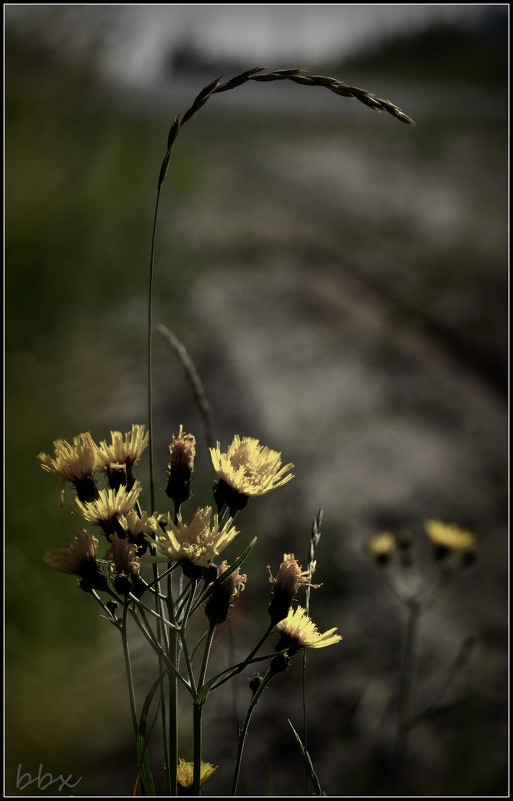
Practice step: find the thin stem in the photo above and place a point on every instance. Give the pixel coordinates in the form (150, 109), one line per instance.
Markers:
(243, 732)
(146, 630)
(128, 668)
(183, 638)
(206, 653)
(198, 734)
(406, 688)
(172, 754)
(150, 343)
(152, 612)
(314, 540)
(247, 660)
(305, 725)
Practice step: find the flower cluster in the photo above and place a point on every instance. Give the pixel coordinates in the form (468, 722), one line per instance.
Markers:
(192, 542)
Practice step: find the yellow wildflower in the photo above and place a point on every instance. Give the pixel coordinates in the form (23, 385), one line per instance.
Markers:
(78, 559)
(299, 631)
(119, 456)
(125, 566)
(247, 469)
(448, 537)
(381, 546)
(185, 773)
(182, 451)
(224, 595)
(198, 541)
(106, 510)
(289, 578)
(75, 463)
(137, 527)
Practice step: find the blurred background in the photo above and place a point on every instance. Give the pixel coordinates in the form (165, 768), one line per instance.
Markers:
(340, 280)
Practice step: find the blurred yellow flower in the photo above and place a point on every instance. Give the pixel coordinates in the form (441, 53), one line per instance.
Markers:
(198, 541)
(381, 546)
(82, 549)
(450, 537)
(299, 631)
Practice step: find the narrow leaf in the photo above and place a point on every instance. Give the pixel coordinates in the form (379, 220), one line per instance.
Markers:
(144, 779)
(306, 759)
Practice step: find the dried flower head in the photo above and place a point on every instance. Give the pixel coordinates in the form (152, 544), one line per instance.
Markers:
(78, 559)
(136, 528)
(75, 463)
(185, 773)
(289, 578)
(224, 595)
(110, 505)
(182, 451)
(118, 457)
(198, 542)
(448, 537)
(125, 566)
(299, 631)
(381, 546)
(247, 469)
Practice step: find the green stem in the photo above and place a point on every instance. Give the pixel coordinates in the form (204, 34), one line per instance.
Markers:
(206, 653)
(406, 688)
(243, 732)
(150, 343)
(247, 660)
(183, 637)
(198, 727)
(172, 754)
(305, 726)
(128, 667)
(146, 630)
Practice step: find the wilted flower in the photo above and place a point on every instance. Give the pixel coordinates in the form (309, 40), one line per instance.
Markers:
(381, 546)
(185, 773)
(299, 631)
(448, 537)
(75, 463)
(197, 542)
(125, 566)
(78, 559)
(182, 451)
(224, 595)
(136, 527)
(109, 506)
(289, 578)
(118, 457)
(246, 469)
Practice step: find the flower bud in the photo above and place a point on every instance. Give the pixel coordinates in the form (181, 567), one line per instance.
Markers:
(224, 595)
(182, 451)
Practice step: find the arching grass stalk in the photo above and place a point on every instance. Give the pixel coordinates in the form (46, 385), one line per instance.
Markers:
(254, 74)
(172, 648)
